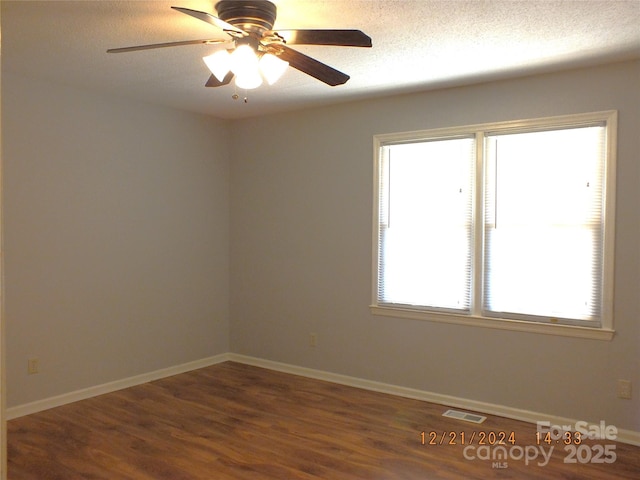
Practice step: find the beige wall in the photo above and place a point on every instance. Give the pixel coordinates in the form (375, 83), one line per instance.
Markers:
(301, 227)
(116, 237)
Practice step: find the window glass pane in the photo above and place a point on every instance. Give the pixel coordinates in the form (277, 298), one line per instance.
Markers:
(544, 223)
(426, 192)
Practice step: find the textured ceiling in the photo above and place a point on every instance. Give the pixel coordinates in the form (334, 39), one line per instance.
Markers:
(417, 45)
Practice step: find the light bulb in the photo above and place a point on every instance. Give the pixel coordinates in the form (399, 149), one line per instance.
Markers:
(272, 67)
(219, 63)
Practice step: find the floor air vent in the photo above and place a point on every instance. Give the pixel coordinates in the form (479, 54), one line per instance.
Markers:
(467, 417)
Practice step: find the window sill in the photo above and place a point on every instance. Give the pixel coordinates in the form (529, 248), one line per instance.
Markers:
(497, 323)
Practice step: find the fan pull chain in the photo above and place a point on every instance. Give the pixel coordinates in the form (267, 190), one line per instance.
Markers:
(235, 95)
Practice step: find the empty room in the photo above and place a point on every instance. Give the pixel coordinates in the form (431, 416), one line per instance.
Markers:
(320, 239)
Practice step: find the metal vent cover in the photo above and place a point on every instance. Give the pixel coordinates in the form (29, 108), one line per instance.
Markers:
(467, 417)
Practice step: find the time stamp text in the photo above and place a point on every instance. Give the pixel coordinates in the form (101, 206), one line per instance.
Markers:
(499, 446)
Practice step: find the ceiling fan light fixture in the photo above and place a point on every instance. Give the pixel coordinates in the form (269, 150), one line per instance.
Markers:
(272, 67)
(219, 63)
(248, 68)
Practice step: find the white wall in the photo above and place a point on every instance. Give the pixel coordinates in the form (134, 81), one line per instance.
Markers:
(301, 227)
(116, 236)
(117, 245)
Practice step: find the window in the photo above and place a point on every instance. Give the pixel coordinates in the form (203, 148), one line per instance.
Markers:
(505, 225)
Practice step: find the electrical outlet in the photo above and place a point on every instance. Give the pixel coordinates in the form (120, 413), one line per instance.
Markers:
(624, 389)
(33, 366)
(313, 339)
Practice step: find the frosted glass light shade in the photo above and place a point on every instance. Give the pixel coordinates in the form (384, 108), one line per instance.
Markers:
(244, 61)
(272, 67)
(247, 68)
(248, 80)
(219, 63)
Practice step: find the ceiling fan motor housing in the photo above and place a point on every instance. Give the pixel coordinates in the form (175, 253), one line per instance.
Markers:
(252, 16)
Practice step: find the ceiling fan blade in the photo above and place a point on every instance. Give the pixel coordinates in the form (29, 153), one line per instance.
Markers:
(163, 45)
(311, 66)
(213, 20)
(214, 82)
(344, 38)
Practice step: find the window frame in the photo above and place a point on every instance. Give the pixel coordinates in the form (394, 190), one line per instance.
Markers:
(475, 318)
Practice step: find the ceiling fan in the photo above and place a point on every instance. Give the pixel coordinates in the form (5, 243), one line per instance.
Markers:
(249, 23)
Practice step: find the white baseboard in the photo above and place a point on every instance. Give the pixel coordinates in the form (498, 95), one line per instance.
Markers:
(625, 436)
(83, 394)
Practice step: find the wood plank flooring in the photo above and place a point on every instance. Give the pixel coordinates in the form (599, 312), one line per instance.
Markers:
(233, 421)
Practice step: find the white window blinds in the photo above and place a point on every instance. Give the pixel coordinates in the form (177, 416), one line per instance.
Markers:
(544, 223)
(425, 223)
(505, 225)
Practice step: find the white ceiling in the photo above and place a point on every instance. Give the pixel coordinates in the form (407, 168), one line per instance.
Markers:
(417, 45)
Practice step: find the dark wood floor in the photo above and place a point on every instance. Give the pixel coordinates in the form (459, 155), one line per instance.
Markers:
(233, 421)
